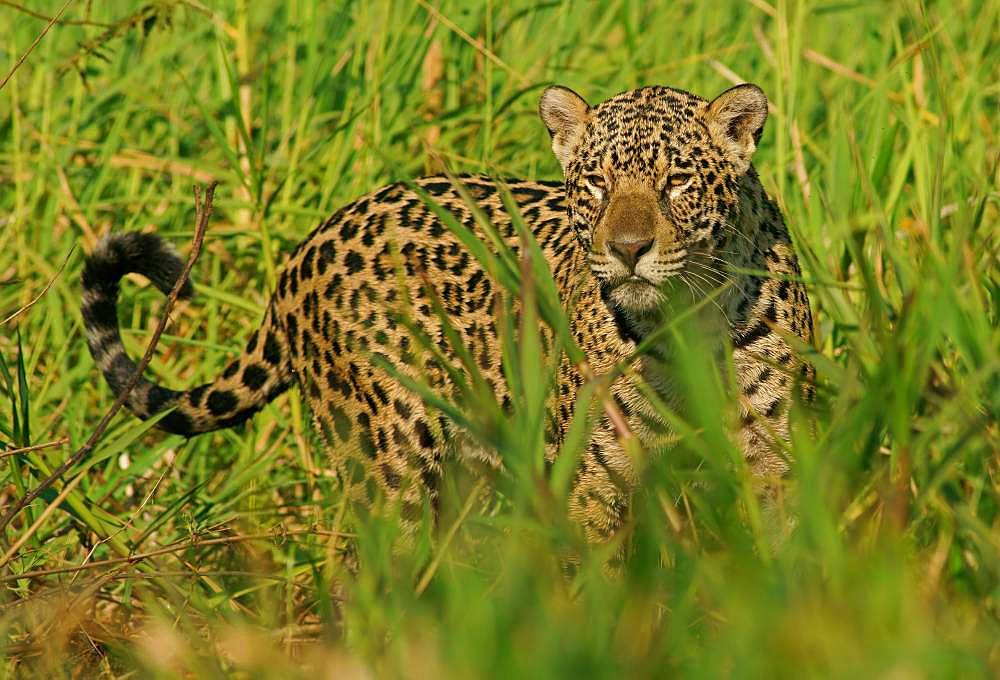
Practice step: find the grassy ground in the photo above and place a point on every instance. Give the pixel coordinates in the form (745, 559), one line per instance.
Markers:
(883, 152)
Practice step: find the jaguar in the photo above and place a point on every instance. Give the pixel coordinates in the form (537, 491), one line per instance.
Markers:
(658, 201)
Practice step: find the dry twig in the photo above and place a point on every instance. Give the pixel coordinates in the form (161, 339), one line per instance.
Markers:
(45, 17)
(41, 35)
(177, 547)
(34, 447)
(44, 290)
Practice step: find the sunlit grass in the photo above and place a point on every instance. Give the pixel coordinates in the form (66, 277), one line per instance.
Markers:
(882, 150)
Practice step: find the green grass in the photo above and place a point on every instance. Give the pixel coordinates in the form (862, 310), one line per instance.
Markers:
(883, 153)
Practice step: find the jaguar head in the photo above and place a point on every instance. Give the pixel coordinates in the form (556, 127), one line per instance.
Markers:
(652, 180)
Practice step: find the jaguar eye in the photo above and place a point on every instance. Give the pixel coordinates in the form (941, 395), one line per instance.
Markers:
(675, 183)
(595, 185)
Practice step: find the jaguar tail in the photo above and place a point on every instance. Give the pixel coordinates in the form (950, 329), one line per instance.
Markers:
(260, 374)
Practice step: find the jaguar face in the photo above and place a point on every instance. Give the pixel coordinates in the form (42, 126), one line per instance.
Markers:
(651, 183)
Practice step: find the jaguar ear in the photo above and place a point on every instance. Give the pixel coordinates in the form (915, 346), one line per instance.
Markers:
(735, 120)
(565, 114)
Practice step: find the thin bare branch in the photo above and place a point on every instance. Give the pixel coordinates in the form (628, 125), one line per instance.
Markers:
(45, 17)
(177, 547)
(34, 447)
(41, 35)
(38, 297)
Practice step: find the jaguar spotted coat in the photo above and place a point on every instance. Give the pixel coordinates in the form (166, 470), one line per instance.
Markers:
(659, 196)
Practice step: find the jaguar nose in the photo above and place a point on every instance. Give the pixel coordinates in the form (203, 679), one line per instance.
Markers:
(629, 252)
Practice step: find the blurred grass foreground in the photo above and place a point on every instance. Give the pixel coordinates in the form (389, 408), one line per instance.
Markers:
(226, 554)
